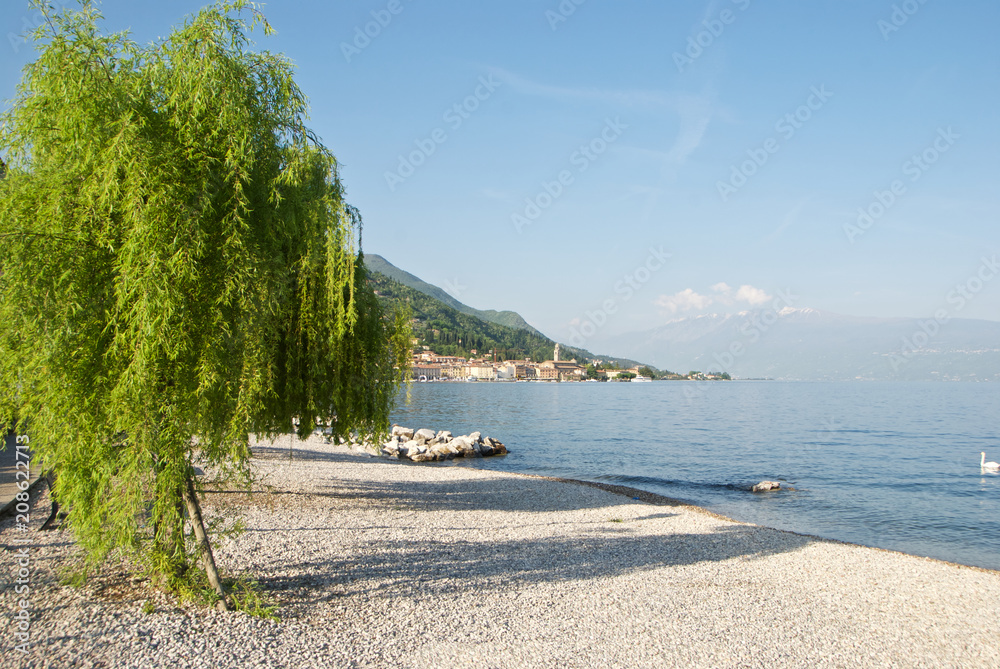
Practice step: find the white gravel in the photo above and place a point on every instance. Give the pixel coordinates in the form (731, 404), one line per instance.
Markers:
(388, 564)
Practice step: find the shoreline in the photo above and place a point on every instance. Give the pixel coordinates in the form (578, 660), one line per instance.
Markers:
(388, 564)
(664, 500)
(671, 501)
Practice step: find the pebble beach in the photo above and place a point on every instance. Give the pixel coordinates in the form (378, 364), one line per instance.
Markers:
(377, 563)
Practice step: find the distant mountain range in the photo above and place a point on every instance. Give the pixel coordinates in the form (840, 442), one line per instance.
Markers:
(815, 345)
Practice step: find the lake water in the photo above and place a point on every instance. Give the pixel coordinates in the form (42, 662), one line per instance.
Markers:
(892, 465)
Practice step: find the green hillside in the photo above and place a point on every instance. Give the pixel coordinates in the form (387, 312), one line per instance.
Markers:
(448, 331)
(511, 319)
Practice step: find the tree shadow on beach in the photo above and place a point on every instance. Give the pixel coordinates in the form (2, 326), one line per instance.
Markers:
(471, 493)
(419, 568)
(597, 548)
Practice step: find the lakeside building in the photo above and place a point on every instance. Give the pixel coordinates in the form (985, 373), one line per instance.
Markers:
(427, 372)
(564, 371)
(506, 372)
(429, 366)
(482, 372)
(547, 374)
(447, 359)
(452, 372)
(560, 370)
(525, 370)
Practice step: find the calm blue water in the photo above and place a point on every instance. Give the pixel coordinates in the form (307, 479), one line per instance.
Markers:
(893, 465)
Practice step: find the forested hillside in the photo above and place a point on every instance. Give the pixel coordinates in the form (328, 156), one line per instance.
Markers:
(448, 331)
(377, 263)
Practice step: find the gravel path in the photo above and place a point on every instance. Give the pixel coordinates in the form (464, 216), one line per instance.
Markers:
(387, 564)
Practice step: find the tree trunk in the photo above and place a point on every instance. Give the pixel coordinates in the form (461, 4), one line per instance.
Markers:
(204, 547)
(50, 479)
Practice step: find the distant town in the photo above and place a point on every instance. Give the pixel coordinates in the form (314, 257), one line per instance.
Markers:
(429, 366)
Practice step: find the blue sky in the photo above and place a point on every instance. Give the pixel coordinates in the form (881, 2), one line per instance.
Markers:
(525, 156)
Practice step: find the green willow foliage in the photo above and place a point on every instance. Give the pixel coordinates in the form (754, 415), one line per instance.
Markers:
(179, 270)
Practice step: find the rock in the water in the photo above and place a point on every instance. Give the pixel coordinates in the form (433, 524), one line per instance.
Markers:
(411, 448)
(443, 451)
(463, 446)
(764, 486)
(405, 432)
(424, 434)
(425, 445)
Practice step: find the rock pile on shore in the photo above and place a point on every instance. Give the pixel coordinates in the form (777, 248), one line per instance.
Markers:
(425, 445)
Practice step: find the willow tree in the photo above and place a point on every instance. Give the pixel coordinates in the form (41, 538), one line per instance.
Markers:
(179, 270)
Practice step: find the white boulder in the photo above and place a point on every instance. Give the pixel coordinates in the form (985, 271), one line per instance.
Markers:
(425, 445)
(405, 432)
(424, 434)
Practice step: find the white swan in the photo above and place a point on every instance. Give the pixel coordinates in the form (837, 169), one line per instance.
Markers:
(992, 466)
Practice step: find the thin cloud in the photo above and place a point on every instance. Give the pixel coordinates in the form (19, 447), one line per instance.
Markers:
(724, 294)
(628, 97)
(751, 295)
(694, 112)
(685, 300)
(694, 123)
